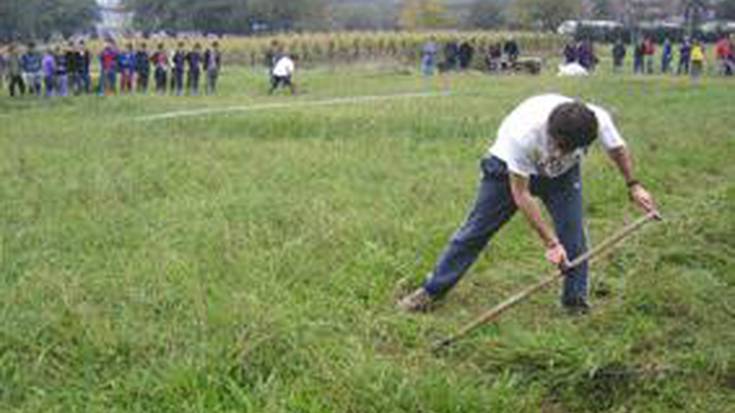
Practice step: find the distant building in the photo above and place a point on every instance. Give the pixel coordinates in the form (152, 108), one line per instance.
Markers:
(115, 18)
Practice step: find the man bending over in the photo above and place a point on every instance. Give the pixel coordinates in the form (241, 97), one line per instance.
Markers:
(537, 153)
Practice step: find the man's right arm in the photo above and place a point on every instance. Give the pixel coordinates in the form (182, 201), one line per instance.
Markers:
(520, 189)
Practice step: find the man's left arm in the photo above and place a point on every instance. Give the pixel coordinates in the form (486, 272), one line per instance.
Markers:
(623, 160)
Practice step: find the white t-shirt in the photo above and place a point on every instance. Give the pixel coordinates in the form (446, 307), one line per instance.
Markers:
(284, 67)
(524, 143)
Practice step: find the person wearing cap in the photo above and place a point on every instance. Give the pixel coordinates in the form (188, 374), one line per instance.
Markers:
(537, 154)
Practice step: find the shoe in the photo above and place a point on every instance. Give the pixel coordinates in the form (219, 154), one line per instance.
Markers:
(418, 301)
(577, 306)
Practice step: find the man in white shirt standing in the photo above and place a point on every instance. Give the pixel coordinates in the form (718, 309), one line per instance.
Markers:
(282, 73)
(537, 152)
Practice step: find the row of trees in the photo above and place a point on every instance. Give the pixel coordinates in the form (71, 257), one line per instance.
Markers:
(246, 15)
(40, 18)
(241, 16)
(547, 15)
(228, 16)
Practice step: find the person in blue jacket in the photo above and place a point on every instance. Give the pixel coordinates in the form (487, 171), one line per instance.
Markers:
(667, 55)
(108, 69)
(32, 69)
(126, 66)
(194, 60)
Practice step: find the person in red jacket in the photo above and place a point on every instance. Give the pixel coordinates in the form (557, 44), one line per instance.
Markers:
(161, 64)
(108, 69)
(724, 53)
(649, 50)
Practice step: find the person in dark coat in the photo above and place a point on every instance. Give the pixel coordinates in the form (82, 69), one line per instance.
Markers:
(466, 52)
(618, 53)
(142, 68)
(194, 59)
(685, 57)
(494, 59)
(212, 65)
(16, 84)
(62, 72)
(570, 53)
(177, 70)
(84, 60)
(586, 55)
(512, 51)
(451, 55)
(71, 67)
(638, 55)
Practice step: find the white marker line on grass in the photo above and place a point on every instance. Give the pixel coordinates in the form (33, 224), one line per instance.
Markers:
(286, 105)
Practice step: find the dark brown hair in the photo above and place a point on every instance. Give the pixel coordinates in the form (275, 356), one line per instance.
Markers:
(573, 125)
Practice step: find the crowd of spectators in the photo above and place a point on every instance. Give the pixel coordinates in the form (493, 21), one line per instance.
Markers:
(64, 70)
(460, 56)
(691, 56)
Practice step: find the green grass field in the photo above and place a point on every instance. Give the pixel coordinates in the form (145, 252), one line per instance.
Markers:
(248, 261)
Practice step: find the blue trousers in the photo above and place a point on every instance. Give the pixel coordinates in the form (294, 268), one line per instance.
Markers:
(178, 82)
(494, 206)
(86, 81)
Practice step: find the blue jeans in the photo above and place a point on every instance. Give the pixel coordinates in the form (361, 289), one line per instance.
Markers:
(48, 82)
(62, 85)
(427, 66)
(178, 79)
(212, 75)
(494, 206)
(86, 81)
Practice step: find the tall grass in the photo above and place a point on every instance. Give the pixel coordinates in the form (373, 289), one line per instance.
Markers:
(248, 262)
